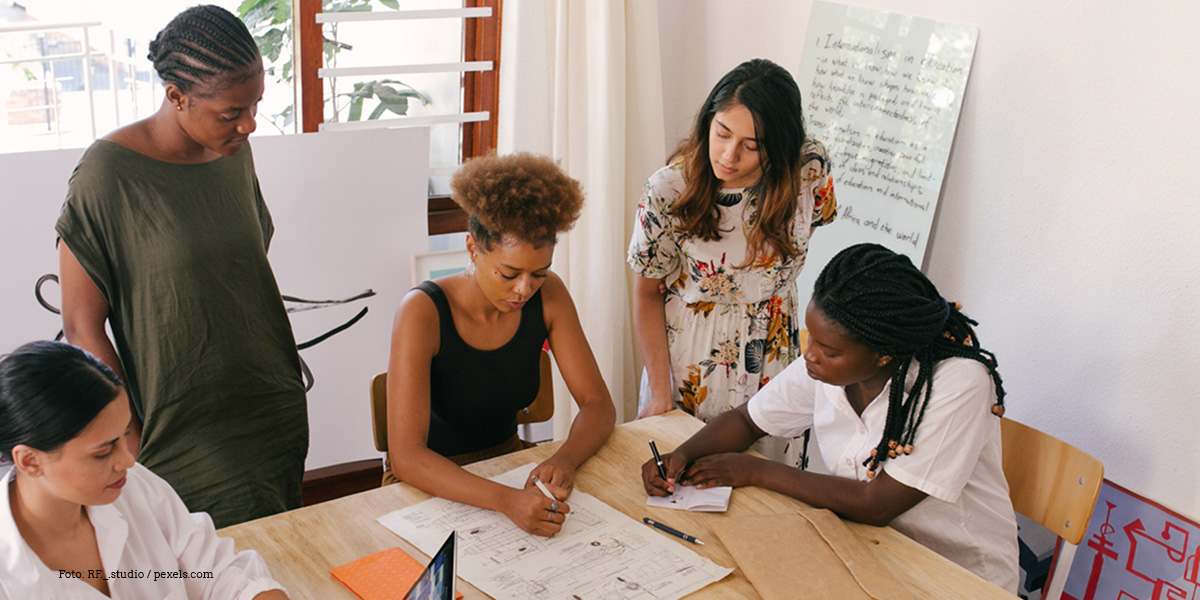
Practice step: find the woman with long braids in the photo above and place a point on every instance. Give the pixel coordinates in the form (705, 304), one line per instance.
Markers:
(904, 405)
(721, 233)
(164, 236)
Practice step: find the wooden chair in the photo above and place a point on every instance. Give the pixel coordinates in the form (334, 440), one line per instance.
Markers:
(1054, 484)
(542, 408)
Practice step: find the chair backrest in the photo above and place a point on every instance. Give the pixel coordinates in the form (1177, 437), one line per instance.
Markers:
(379, 410)
(542, 408)
(1049, 480)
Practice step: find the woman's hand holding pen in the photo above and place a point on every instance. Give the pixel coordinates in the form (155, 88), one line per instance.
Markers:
(729, 468)
(533, 512)
(674, 464)
(556, 475)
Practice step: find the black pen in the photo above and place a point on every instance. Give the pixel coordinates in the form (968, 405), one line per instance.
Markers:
(658, 461)
(674, 532)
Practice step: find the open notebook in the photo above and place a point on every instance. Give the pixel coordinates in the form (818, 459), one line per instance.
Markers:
(687, 497)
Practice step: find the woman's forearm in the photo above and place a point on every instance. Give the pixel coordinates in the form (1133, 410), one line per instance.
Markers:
(437, 475)
(650, 331)
(589, 431)
(732, 431)
(876, 502)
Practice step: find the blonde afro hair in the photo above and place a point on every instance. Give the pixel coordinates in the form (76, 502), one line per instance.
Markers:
(524, 196)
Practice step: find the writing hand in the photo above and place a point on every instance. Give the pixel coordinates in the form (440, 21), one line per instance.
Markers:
(731, 468)
(556, 476)
(674, 463)
(535, 513)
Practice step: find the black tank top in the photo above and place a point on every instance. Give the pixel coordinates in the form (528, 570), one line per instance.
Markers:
(475, 394)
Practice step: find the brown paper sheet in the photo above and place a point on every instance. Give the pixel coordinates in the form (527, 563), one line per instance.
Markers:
(810, 555)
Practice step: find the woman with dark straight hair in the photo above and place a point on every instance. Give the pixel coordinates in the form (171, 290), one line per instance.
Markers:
(164, 237)
(723, 230)
(76, 510)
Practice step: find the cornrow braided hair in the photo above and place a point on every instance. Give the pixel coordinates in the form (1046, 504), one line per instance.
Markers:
(880, 298)
(203, 46)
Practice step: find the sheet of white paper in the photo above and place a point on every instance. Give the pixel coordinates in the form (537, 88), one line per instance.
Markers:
(687, 497)
(600, 554)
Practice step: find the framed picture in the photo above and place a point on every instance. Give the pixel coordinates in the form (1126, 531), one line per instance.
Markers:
(432, 265)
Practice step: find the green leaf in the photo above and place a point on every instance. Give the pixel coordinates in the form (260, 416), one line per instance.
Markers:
(409, 92)
(347, 6)
(355, 110)
(400, 107)
(248, 5)
(361, 91)
(389, 94)
(259, 13)
(392, 4)
(283, 14)
(270, 44)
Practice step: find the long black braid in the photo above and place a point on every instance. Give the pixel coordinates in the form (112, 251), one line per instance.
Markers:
(889, 305)
(205, 46)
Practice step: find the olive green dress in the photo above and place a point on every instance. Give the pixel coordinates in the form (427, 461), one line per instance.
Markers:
(180, 254)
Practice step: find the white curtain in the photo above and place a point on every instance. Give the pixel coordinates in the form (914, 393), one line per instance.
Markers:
(580, 81)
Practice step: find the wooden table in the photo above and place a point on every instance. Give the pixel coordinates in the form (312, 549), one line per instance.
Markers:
(301, 546)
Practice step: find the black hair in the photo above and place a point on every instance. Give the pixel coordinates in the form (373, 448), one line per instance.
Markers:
(883, 301)
(207, 47)
(771, 95)
(49, 392)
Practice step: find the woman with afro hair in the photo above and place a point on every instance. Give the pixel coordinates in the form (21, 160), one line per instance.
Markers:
(466, 348)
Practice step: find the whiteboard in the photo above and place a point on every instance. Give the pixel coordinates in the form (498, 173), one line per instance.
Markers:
(349, 210)
(883, 92)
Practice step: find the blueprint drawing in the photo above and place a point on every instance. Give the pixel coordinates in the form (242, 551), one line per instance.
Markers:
(600, 554)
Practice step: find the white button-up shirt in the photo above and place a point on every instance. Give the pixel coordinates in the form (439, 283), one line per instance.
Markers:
(146, 530)
(967, 516)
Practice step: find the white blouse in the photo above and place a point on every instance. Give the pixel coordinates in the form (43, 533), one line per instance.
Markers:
(146, 530)
(967, 516)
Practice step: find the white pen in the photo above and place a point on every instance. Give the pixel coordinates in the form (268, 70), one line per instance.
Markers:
(546, 491)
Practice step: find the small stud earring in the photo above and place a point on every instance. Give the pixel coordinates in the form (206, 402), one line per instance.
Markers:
(178, 107)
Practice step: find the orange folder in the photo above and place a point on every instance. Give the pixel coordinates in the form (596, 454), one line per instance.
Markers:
(384, 575)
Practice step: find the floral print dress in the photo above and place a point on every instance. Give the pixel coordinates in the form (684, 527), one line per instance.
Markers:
(729, 330)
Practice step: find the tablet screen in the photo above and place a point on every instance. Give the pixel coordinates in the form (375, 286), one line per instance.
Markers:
(437, 581)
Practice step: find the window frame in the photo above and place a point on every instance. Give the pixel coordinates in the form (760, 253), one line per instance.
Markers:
(481, 91)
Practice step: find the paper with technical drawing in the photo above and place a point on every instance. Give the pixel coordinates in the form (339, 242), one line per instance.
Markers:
(600, 554)
(688, 497)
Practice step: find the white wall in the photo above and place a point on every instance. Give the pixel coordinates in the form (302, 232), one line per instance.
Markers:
(328, 244)
(1066, 221)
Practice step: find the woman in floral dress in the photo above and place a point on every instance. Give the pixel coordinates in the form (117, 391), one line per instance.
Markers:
(721, 233)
